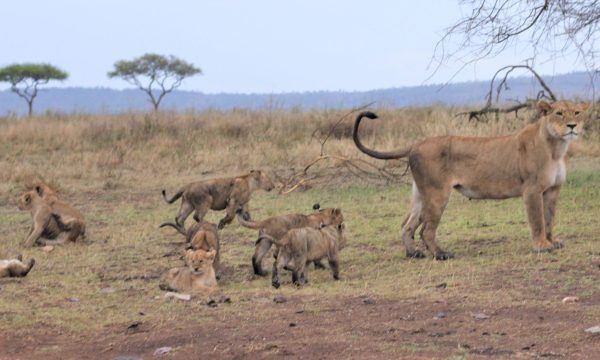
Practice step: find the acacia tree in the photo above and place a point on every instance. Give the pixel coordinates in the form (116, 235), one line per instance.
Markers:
(156, 75)
(24, 79)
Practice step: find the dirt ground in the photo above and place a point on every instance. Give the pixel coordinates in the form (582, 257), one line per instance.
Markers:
(366, 327)
(99, 299)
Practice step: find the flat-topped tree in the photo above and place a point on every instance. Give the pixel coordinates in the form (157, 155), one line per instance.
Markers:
(25, 78)
(156, 75)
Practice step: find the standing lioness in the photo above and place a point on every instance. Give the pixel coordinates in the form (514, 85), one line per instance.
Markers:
(218, 194)
(529, 163)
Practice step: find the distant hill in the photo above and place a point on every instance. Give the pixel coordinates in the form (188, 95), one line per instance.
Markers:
(105, 100)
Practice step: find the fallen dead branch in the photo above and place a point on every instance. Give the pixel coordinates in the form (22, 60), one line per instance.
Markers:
(488, 108)
(328, 168)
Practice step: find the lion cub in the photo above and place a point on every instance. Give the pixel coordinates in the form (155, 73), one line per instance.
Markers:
(201, 236)
(198, 277)
(277, 226)
(15, 267)
(46, 223)
(71, 219)
(300, 246)
(218, 194)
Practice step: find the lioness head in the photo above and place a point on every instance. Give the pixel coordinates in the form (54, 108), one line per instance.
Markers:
(25, 201)
(563, 119)
(263, 180)
(200, 260)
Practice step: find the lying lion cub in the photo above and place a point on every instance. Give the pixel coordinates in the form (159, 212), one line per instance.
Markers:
(218, 194)
(300, 246)
(198, 277)
(529, 164)
(202, 236)
(15, 267)
(277, 226)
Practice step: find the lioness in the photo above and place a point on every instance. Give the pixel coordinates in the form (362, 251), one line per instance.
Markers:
(67, 215)
(46, 224)
(277, 226)
(529, 163)
(198, 277)
(202, 235)
(218, 194)
(15, 267)
(300, 246)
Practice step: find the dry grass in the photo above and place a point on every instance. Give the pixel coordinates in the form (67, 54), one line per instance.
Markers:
(85, 152)
(112, 168)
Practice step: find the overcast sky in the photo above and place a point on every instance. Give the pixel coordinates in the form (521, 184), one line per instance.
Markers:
(266, 46)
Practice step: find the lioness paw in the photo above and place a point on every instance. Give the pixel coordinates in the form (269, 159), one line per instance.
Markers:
(443, 255)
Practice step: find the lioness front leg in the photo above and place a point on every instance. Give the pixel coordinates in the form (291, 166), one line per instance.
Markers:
(550, 199)
(535, 214)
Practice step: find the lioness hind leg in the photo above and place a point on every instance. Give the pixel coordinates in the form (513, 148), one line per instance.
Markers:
(550, 198)
(411, 224)
(434, 204)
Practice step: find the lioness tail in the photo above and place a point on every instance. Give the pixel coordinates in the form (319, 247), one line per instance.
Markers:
(374, 153)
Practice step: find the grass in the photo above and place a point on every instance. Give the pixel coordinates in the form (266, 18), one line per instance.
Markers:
(110, 280)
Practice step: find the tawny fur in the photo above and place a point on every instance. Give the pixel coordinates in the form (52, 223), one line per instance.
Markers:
(529, 164)
(46, 224)
(71, 219)
(300, 246)
(15, 267)
(218, 194)
(277, 226)
(204, 236)
(197, 277)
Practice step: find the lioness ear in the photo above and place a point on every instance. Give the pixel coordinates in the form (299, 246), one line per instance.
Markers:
(316, 206)
(543, 107)
(585, 106)
(337, 211)
(27, 198)
(39, 190)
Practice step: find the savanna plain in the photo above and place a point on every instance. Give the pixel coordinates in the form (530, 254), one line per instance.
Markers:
(100, 298)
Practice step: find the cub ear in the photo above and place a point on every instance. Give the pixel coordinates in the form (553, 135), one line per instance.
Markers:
(340, 227)
(27, 198)
(316, 206)
(212, 253)
(544, 107)
(337, 211)
(39, 189)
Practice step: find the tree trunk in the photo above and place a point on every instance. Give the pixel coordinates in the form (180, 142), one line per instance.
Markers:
(30, 106)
